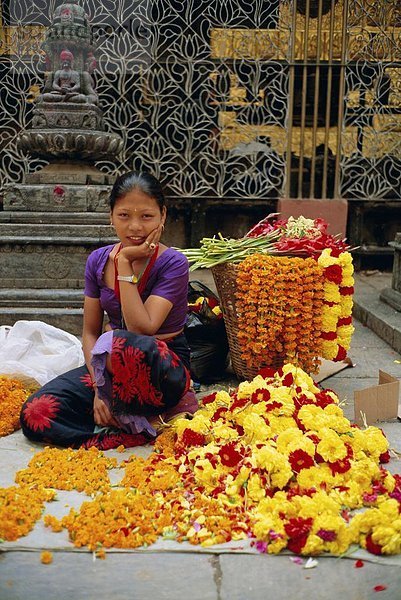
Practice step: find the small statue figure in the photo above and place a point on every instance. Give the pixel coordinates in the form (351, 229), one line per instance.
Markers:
(90, 66)
(69, 85)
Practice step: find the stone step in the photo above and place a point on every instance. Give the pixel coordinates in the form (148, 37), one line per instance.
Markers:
(56, 218)
(69, 319)
(48, 298)
(56, 233)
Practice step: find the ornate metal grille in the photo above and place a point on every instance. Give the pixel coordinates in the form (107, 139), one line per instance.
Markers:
(230, 98)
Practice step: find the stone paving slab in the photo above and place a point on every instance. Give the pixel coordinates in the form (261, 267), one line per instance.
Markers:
(254, 578)
(119, 577)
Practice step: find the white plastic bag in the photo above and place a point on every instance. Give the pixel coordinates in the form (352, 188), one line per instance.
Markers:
(38, 350)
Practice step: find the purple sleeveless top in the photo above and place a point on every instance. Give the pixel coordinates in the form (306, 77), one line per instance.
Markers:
(168, 279)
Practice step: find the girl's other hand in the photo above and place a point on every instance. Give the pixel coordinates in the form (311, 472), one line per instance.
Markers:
(102, 415)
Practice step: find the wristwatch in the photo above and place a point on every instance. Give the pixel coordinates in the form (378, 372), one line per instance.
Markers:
(130, 278)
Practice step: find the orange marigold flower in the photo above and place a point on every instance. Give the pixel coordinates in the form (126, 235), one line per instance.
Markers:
(46, 557)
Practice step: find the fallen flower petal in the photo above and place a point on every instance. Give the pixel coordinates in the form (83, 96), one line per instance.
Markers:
(297, 560)
(311, 563)
(379, 588)
(358, 564)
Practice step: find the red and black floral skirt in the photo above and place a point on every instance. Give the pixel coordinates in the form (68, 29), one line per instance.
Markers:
(148, 377)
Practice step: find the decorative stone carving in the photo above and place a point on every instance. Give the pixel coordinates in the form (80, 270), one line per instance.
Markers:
(53, 143)
(47, 115)
(57, 268)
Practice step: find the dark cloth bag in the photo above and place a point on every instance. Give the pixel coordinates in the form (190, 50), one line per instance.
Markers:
(207, 337)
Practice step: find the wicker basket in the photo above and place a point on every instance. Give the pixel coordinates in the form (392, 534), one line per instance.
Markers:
(225, 277)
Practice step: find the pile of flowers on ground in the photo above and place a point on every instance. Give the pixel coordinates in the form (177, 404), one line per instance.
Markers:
(20, 509)
(81, 470)
(13, 394)
(275, 461)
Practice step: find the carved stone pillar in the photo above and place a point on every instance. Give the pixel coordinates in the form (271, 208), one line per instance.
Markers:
(393, 295)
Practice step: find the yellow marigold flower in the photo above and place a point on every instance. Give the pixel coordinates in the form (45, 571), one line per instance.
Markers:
(329, 349)
(314, 545)
(347, 281)
(326, 260)
(287, 437)
(46, 557)
(333, 417)
(254, 488)
(315, 477)
(282, 474)
(346, 305)
(348, 269)
(200, 423)
(351, 497)
(223, 397)
(312, 417)
(389, 538)
(205, 473)
(284, 395)
(270, 529)
(330, 316)
(318, 504)
(304, 443)
(266, 457)
(279, 424)
(247, 388)
(389, 482)
(383, 524)
(371, 441)
(331, 292)
(301, 379)
(255, 428)
(345, 259)
(224, 431)
(362, 472)
(331, 447)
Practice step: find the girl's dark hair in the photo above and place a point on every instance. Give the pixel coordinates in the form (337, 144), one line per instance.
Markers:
(134, 180)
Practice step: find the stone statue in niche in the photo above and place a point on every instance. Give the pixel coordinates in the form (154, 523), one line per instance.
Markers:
(69, 85)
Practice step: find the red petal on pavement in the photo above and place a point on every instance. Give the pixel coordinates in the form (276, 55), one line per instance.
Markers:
(358, 564)
(379, 588)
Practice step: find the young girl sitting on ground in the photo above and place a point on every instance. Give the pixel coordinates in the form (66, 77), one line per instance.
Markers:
(138, 368)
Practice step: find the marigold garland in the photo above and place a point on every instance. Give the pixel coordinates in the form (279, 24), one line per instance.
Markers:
(13, 394)
(337, 328)
(279, 307)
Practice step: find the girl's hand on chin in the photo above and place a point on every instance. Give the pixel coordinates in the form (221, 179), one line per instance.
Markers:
(132, 253)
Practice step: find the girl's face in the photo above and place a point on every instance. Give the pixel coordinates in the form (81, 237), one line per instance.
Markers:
(135, 216)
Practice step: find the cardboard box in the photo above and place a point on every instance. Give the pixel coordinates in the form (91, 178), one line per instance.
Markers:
(379, 402)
